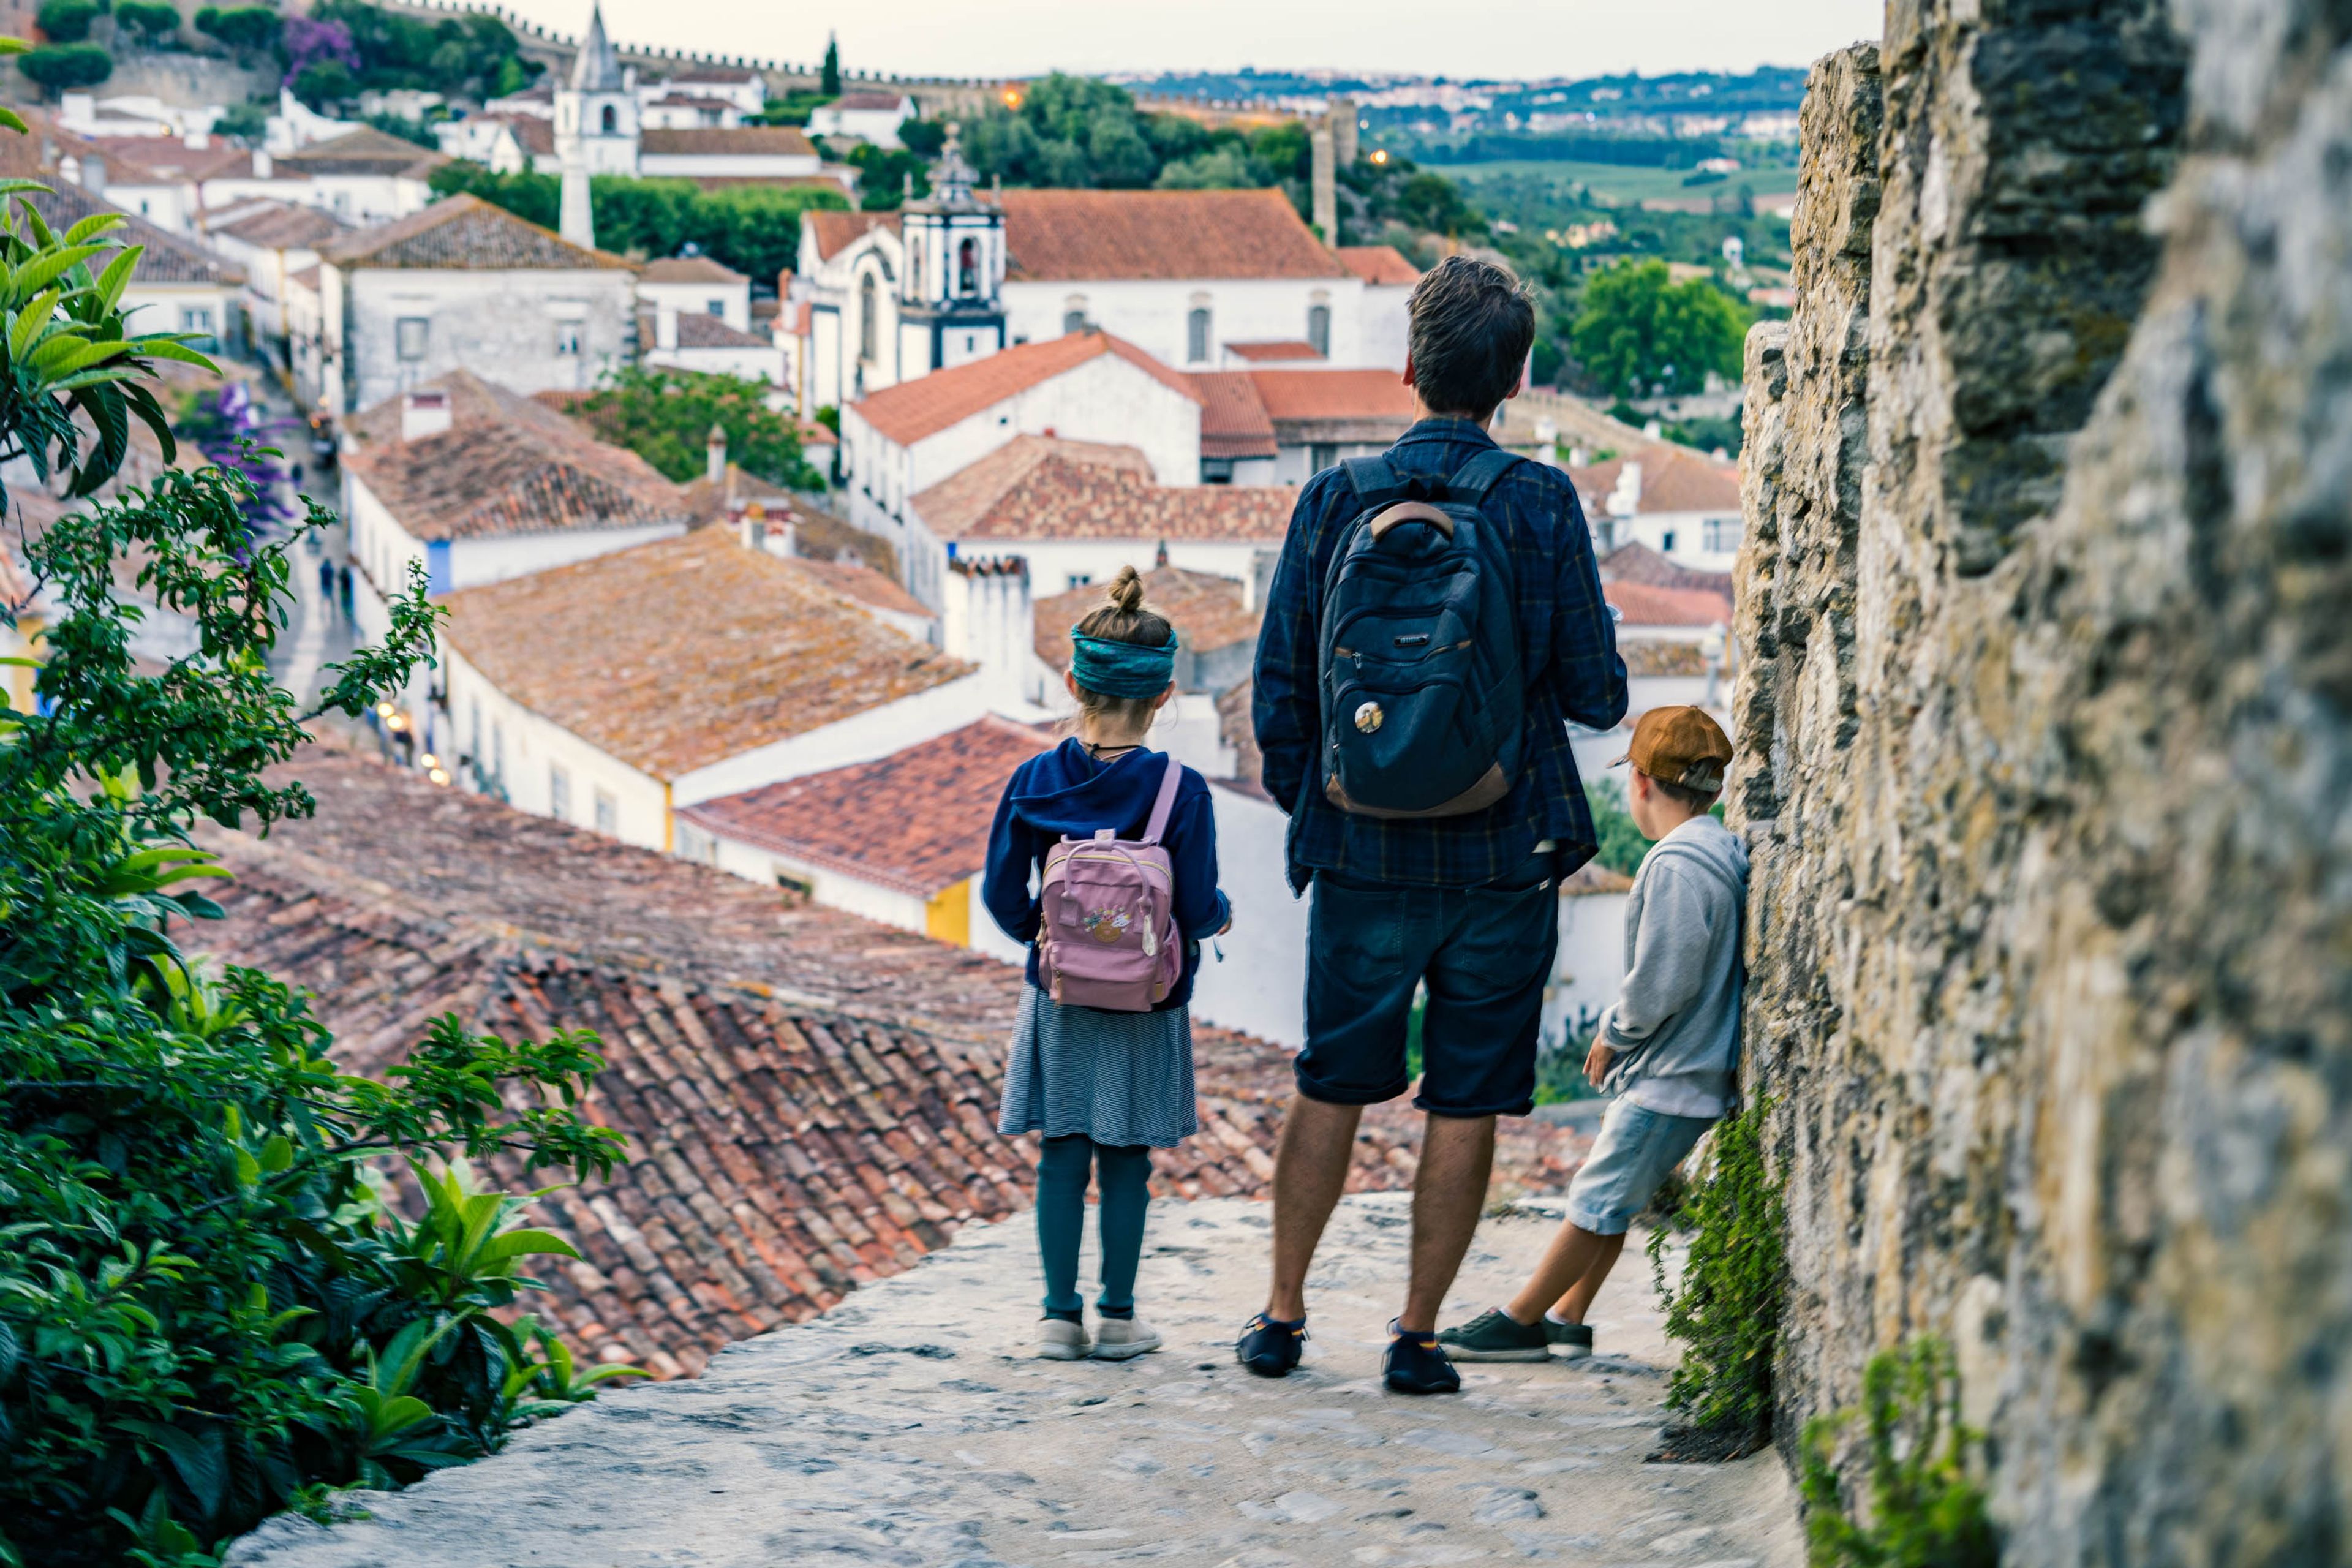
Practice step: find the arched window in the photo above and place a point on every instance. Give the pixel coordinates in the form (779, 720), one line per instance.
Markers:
(611, 121)
(968, 267)
(1196, 335)
(1074, 320)
(1319, 328)
(865, 314)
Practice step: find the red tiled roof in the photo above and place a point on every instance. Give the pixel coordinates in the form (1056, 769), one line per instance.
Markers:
(924, 406)
(1076, 236)
(754, 650)
(689, 269)
(698, 330)
(1674, 478)
(1205, 609)
(1641, 604)
(279, 226)
(808, 1098)
(959, 502)
(365, 151)
(1379, 264)
(1276, 351)
(915, 821)
(507, 464)
(1058, 498)
(1233, 421)
(1320, 394)
(1640, 564)
(856, 581)
(727, 140)
(466, 232)
(869, 102)
(834, 228)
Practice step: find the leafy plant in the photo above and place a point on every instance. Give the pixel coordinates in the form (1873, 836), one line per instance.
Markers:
(1925, 1511)
(1733, 1283)
(665, 417)
(62, 66)
(67, 21)
(474, 55)
(756, 229)
(155, 23)
(1622, 845)
(208, 1308)
(248, 29)
(1638, 332)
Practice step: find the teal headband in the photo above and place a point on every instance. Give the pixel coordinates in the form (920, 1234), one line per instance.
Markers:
(1113, 668)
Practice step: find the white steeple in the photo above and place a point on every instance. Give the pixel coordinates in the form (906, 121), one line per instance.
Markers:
(596, 68)
(596, 108)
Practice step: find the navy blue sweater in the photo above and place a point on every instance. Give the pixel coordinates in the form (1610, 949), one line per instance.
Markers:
(1067, 792)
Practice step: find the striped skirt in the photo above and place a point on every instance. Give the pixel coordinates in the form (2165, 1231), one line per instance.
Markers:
(1119, 1078)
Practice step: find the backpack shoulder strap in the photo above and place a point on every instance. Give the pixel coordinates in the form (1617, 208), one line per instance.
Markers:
(1372, 477)
(1482, 473)
(1165, 804)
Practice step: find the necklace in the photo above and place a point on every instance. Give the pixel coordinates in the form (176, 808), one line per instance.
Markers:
(1096, 749)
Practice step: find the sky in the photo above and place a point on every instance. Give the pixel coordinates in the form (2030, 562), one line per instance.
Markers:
(1449, 37)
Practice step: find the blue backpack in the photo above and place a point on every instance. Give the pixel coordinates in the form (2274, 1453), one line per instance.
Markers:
(1424, 701)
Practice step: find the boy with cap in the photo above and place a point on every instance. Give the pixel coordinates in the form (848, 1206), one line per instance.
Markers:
(1667, 1049)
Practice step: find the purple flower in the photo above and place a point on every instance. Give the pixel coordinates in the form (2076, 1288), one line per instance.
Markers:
(310, 42)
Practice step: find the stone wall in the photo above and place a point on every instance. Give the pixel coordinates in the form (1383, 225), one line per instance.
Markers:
(2046, 756)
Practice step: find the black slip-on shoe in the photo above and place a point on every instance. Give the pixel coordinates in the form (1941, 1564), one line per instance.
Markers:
(1270, 1347)
(1416, 1364)
(1573, 1341)
(1496, 1335)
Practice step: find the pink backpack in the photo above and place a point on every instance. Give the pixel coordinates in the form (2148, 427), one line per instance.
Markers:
(1109, 938)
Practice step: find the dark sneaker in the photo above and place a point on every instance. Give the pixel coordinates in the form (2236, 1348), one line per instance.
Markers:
(1270, 1347)
(1496, 1335)
(1573, 1341)
(1417, 1365)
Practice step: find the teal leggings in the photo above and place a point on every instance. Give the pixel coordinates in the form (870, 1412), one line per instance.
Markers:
(1125, 1172)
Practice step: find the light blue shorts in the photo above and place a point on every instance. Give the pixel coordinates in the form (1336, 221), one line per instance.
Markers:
(1631, 1155)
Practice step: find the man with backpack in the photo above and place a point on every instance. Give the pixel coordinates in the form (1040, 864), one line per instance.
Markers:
(1434, 621)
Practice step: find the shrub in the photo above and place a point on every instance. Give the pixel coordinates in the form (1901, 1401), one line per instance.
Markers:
(245, 28)
(324, 84)
(67, 21)
(247, 119)
(62, 66)
(665, 417)
(208, 1311)
(1925, 1510)
(152, 21)
(1727, 1311)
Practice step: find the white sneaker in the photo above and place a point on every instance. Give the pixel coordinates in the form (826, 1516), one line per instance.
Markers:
(1116, 1338)
(1058, 1339)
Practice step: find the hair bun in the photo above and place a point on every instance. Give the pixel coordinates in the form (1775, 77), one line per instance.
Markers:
(1126, 591)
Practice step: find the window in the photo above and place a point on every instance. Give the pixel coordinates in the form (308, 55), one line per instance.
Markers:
(1319, 328)
(475, 746)
(697, 846)
(1196, 335)
(567, 339)
(1080, 579)
(612, 120)
(558, 793)
(968, 267)
(1666, 542)
(608, 815)
(1720, 534)
(714, 307)
(1072, 322)
(197, 318)
(1321, 455)
(410, 334)
(796, 889)
(865, 312)
(498, 750)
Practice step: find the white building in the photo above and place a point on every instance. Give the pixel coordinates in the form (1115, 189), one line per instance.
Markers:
(596, 111)
(872, 117)
(362, 176)
(177, 286)
(1678, 502)
(464, 285)
(726, 668)
(159, 178)
(698, 286)
(1285, 425)
(1389, 280)
(270, 243)
(706, 345)
(1088, 387)
(739, 87)
(510, 143)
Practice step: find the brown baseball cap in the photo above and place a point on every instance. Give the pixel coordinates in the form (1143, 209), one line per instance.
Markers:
(1680, 746)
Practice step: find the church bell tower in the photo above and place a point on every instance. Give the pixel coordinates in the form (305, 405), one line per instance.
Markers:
(950, 311)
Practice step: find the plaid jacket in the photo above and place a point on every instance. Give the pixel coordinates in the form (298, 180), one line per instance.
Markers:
(1567, 643)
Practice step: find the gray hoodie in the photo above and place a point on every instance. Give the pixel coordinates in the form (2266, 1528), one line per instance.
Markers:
(1676, 1023)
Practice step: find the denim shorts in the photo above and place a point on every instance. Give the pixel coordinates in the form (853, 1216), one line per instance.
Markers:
(1632, 1155)
(1484, 953)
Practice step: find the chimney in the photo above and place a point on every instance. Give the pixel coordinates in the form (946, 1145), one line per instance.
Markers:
(1548, 442)
(665, 324)
(261, 165)
(1625, 500)
(1260, 582)
(577, 216)
(989, 619)
(715, 468)
(1326, 186)
(755, 527)
(93, 175)
(423, 414)
(1343, 132)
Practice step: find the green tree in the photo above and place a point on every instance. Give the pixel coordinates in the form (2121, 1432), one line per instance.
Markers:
(157, 22)
(1639, 332)
(924, 138)
(534, 197)
(475, 56)
(248, 29)
(666, 416)
(885, 174)
(206, 1311)
(828, 76)
(756, 229)
(322, 84)
(67, 21)
(62, 66)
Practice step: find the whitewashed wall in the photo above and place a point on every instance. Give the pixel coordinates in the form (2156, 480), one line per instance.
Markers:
(860, 738)
(1592, 961)
(520, 746)
(1154, 314)
(500, 325)
(1260, 987)
(474, 561)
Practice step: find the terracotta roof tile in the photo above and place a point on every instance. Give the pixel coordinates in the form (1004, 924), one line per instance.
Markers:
(279, 226)
(467, 232)
(727, 140)
(506, 465)
(689, 269)
(808, 1098)
(834, 228)
(913, 409)
(868, 101)
(699, 329)
(856, 581)
(1233, 420)
(1075, 236)
(1674, 478)
(155, 160)
(1640, 604)
(365, 151)
(1205, 609)
(1637, 563)
(1303, 396)
(168, 257)
(1275, 351)
(915, 821)
(1237, 728)
(1379, 264)
(1051, 492)
(767, 653)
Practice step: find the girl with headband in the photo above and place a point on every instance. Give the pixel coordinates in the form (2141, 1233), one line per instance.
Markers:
(1103, 1089)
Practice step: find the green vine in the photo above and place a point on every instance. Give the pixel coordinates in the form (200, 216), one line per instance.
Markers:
(1726, 1313)
(1925, 1510)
